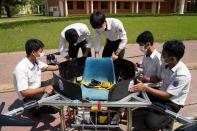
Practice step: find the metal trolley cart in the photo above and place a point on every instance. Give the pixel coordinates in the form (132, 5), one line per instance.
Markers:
(70, 94)
(131, 101)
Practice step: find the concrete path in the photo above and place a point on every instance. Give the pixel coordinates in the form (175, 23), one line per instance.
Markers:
(9, 60)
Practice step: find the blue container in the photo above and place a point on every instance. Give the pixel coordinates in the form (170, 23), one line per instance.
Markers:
(100, 69)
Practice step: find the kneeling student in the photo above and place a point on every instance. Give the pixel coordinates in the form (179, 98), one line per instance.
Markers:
(27, 74)
(151, 62)
(171, 95)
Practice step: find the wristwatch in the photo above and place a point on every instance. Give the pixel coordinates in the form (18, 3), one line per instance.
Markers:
(116, 53)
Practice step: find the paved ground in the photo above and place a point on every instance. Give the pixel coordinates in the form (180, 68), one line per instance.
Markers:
(9, 60)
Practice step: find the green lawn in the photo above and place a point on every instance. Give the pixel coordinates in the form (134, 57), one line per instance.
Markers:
(163, 27)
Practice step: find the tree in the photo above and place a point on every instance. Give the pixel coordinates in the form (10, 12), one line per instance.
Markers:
(37, 4)
(11, 6)
(1, 2)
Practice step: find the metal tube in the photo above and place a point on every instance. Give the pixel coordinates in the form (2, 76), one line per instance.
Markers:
(178, 117)
(129, 119)
(62, 118)
(93, 126)
(15, 112)
(96, 120)
(53, 97)
(108, 104)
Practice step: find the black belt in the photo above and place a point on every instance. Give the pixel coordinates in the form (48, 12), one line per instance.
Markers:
(116, 41)
(82, 42)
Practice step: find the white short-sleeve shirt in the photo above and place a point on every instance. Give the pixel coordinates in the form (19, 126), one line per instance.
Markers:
(82, 31)
(151, 65)
(27, 75)
(115, 31)
(176, 81)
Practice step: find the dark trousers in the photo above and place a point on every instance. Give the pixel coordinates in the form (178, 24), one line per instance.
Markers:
(39, 96)
(43, 109)
(110, 47)
(149, 119)
(73, 50)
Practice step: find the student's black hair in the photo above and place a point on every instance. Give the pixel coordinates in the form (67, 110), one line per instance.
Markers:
(97, 19)
(71, 36)
(174, 48)
(33, 45)
(145, 37)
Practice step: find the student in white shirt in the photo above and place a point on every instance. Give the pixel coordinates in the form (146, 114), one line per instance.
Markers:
(151, 62)
(115, 33)
(171, 95)
(27, 73)
(77, 36)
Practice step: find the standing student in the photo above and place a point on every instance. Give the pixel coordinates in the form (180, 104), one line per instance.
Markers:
(115, 33)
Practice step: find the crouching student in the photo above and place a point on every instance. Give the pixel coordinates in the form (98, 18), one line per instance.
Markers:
(27, 75)
(172, 94)
(151, 61)
(77, 36)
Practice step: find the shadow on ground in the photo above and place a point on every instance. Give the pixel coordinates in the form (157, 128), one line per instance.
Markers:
(42, 121)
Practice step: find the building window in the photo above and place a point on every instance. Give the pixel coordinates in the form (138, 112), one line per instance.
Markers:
(80, 5)
(95, 4)
(118, 5)
(53, 8)
(140, 5)
(126, 5)
(172, 5)
(148, 5)
(70, 5)
(104, 5)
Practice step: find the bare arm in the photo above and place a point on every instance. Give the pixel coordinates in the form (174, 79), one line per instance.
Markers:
(158, 93)
(152, 79)
(52, 68)
(32, 92)
(62, 47)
